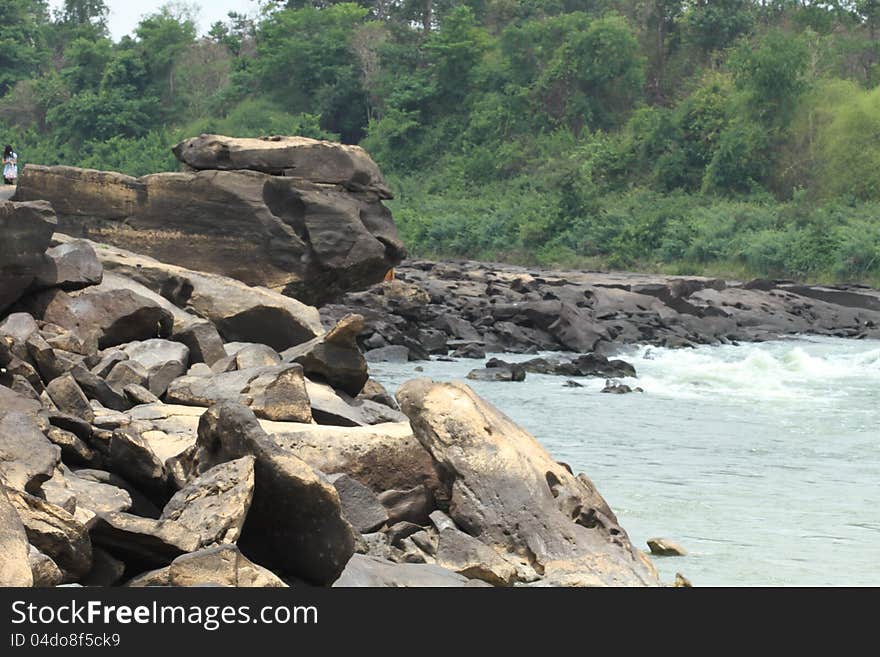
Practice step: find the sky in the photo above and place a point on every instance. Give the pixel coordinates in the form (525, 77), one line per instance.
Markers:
(126, 14)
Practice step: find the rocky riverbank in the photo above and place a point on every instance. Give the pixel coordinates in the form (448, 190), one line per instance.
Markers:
(468, 309)
(162, 426)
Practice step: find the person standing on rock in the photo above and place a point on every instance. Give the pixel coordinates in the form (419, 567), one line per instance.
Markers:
(10, 165)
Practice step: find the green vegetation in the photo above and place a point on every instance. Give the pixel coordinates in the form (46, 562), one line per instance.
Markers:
(728, 137)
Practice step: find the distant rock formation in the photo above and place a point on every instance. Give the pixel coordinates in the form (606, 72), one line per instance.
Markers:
(296, 215)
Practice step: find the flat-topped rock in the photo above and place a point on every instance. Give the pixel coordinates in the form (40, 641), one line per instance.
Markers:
(312, 241)
(317, 161)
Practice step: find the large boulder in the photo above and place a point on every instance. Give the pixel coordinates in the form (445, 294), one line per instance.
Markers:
(316, 161)
(27, 230)
(311, 240)
(295, 523)
(506, 490)
(214, 506)
(335, 358)
(114, 316)
(382, 457)
(55, 532)
(241, 313)
(70, 266)
(27, 457)
(222, 565)
(373, 572)
(15, 569)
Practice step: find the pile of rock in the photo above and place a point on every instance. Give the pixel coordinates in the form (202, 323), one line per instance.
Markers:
(296, 215)
(469, 309)
(166, 427)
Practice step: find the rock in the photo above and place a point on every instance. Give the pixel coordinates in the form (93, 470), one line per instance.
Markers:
(662, 547)
(682, 582)
(73, 449)
(255, 355)
(132, 457)
(465, 555)
(152, 578)
(56, 533)
(506, 491)
(106, 570)
(321, 162)
(615, 388)
(382, 457)
(92, 497)
(15, 566)
(414, 505)
(162, 360)
(108, 360)
(18, 327)
(375, 392)
(359, 504)
(514, 373)
(400, 531)
(99, 390)
(115, 316)
(314, 241)
(334, 358)
(110, 495)
(392, 354)
(203, 341)
(295, 522)
(70, 266)
(139, 395)
(274, 393)
(222, 565)
(471, 350)
(45, 572)
(27, 230)
(214, 506)
(334, 409)
(442, 521)
(142, 541)
(127, 373)
(27, 457)
(372, 572)
(69, 397)
(573, 384)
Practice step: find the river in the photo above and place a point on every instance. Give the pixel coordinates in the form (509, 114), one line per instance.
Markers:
(761, 460)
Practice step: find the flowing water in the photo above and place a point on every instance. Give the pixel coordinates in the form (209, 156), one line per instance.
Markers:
(761, 460)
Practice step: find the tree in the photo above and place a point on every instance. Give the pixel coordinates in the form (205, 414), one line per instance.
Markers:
(306, 62)
(22, 47)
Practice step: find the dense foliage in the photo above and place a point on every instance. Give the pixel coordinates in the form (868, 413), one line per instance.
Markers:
(726, 136)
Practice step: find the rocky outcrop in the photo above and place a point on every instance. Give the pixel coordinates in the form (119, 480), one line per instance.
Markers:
(291, 214)
(131, 451)
(469, 309)
(27, 229)
(314, 161)
(506, 491)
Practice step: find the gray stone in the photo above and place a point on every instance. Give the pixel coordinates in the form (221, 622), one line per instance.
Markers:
(214, 506)
(359, 504)
(295, 523)
(372, 572)
(222, 565)
(15, 566)
(46, 573)
(56, 533)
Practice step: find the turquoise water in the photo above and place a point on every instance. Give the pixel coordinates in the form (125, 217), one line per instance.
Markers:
(762, 461)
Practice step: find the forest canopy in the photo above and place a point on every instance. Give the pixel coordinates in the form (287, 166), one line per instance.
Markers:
(727, 137)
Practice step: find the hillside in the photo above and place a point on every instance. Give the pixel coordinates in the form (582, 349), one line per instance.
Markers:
(729, 137)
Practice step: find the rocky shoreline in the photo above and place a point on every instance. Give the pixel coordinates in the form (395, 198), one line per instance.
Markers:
(468, 309)
(161, 426)
(167, 426)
